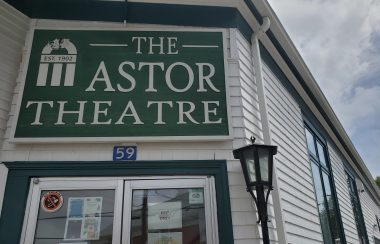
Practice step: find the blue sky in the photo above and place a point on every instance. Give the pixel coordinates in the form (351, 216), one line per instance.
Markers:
(340, 42)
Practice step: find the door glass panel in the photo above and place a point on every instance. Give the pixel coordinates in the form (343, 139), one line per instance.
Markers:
(168, 216)
(75, 216)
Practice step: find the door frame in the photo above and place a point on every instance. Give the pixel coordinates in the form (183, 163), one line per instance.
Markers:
(21, 173)
(205, 182)
(60, 184)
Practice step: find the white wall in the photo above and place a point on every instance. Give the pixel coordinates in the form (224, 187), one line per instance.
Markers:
(348, 219)
(245, 119)
(13, 29)
(245, 105)
(293, 167)
(370, 209)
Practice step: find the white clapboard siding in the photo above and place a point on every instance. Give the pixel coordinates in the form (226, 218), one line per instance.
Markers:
(246, 114)
(370, 210)
(245, 119)
(295, 181)
(348, 219)
(369, 207)
(13, 29)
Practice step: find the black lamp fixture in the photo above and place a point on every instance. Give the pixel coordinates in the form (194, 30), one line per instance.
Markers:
(257, 164)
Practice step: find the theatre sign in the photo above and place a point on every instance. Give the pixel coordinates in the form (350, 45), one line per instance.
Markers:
(121, 85)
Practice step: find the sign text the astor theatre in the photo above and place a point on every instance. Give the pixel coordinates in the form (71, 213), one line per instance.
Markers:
(120, 84)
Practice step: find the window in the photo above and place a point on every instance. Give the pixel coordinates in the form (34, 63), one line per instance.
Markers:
(329, 216)
(356, 207)
(136, 210)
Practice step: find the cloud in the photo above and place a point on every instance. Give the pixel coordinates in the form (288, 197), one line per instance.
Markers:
(340, 42)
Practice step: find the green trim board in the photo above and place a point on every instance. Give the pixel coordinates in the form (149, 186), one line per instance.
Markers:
(124, 84)
(134, 12)
(20, 174)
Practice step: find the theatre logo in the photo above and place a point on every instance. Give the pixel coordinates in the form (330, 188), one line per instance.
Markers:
(62, 65)
(123, 85)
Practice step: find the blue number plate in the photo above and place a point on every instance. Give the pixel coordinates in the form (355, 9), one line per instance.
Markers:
(124, 153)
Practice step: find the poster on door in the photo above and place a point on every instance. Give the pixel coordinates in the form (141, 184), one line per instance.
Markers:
(83, 218)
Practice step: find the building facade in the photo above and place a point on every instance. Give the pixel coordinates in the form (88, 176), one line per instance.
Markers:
(118, 121)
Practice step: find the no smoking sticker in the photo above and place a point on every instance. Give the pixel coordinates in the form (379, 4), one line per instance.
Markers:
(51, 201)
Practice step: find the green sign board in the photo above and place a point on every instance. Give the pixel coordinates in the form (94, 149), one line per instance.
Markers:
(123, 84)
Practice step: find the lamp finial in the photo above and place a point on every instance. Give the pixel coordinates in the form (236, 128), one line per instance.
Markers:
(253, 139)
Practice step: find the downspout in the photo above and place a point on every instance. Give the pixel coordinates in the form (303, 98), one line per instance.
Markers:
(257, 66)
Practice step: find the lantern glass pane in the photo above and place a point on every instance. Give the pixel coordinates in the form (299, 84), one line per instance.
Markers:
(264, 163)
(250, 164)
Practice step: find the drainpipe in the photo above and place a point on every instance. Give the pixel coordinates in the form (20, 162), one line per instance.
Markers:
(257, 65)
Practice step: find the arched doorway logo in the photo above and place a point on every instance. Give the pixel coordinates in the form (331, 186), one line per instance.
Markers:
(58, 63)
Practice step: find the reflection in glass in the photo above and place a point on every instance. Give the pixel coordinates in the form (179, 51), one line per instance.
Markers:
(310, 142)
(359, 220)
(323, 212)
(168, 216)
(85, 216)
(251, 165)
(263, 159)
(321, 154)
(331, 207)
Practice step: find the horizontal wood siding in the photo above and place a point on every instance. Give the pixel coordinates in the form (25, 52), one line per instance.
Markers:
(348, 219)
(247, 114)
(369, 207)
(245, 119)
(13, 29)
(293, 167)
(370, 210)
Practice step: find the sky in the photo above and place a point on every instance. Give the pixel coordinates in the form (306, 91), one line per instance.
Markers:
(339, 41)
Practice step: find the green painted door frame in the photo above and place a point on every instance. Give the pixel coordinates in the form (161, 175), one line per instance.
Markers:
(20, 173)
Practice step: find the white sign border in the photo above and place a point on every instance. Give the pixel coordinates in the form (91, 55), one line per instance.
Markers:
(24, 71)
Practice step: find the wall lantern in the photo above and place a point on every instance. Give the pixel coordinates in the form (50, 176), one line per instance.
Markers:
(257, 164)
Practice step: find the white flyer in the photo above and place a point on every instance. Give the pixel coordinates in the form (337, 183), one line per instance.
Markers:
(166, 215)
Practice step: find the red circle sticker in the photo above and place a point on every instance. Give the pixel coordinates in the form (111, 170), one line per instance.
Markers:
(51, 201)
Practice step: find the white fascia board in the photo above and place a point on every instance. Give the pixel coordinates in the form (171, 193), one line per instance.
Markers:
(289, 47)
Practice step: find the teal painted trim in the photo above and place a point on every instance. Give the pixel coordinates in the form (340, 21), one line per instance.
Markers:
(143, 13)
(20, 173)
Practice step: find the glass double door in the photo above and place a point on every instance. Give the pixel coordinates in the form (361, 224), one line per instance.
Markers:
(164, 210)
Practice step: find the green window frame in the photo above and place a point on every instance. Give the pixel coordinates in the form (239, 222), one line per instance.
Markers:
(325, 192)
(357, 209)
